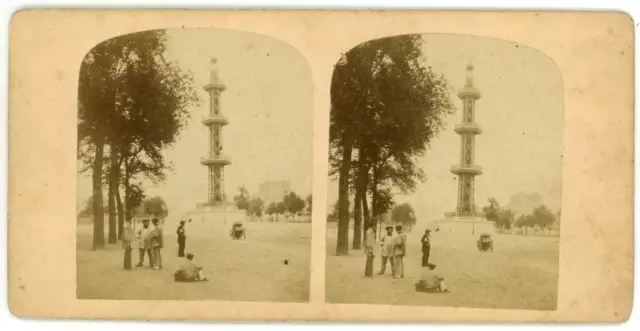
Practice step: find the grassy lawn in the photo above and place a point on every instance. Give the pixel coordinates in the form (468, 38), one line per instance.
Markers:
(521, 273)
(242, 270)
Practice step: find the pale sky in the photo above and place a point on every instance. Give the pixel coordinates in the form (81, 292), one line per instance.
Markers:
(520, 112)
(269, 103)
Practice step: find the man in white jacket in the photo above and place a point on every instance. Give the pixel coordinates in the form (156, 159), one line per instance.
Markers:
(144, 243)
(387, 243)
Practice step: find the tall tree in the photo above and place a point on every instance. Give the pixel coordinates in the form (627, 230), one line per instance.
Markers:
(132, 98)
(350, 87)
(388, 106)
(98, 84)
(155, 102)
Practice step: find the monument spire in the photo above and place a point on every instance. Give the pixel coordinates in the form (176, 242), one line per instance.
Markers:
(469, 82)
(214, 78)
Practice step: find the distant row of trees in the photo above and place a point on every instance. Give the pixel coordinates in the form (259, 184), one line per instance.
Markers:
(155, 207)
(132, 105)
(504, 218)
(386, 107)
(291, 204)
(404, 214)
(400, 214)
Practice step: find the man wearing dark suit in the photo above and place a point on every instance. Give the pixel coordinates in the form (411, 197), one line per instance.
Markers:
(182, 239)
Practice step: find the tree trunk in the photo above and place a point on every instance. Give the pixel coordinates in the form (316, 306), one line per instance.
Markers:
(113, 187)
(342, 247)
(364, 184)
(365, 209)
(374, 200)
(127, 191)
(120, 213)
(361, 189)
(98, 211)
(357, 218)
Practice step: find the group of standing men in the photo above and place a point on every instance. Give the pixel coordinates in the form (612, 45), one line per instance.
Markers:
(394, 249)
(150, 241)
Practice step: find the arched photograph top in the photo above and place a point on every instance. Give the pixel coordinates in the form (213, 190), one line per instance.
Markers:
(445, 174)
(194, 168)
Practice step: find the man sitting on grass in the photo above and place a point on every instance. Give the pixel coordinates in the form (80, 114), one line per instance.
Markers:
(189, 272)
(430, 281)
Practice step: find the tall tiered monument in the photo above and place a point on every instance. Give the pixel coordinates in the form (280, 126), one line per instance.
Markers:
(216, 206)
(467, 170)
(466, 219)
(215, 160)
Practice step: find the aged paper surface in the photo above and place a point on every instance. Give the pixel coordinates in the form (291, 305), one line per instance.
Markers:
(593, 53)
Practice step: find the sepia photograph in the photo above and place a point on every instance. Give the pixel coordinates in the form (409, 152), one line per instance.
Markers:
(445, 174)
(194, 168)
(321, 165)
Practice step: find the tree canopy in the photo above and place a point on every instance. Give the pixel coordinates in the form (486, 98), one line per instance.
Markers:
(386, 106)
(491, 210)
(135, 101)
(505, 218)
(256, 206)
(293, 203)
(156, 207)
(404, 214)
(242, 198)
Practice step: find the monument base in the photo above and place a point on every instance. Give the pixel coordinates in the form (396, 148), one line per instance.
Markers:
(222, 213)
(470, 224)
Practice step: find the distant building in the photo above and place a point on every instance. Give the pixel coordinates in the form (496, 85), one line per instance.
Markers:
(274, 191)
(524, 203)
